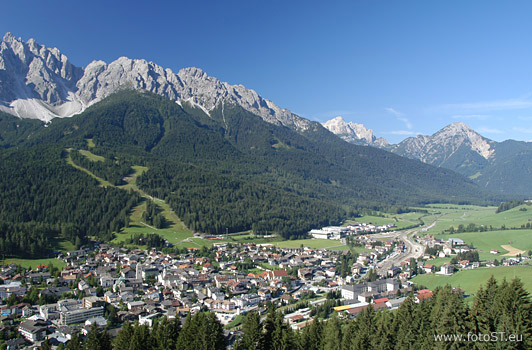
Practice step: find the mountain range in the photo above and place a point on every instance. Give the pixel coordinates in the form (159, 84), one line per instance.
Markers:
(504, 167)
(223, 157)
(40, 83)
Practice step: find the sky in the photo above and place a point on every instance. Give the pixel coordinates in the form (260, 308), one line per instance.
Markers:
(401, 68)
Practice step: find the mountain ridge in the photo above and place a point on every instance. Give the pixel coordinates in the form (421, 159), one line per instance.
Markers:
(40, 83)
(496, 166)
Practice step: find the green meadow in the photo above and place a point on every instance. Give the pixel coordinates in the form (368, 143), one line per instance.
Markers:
(471, 280)
(175, 232)
(451, 215)
(399, 220)
(91, 156)
(485, 241)
(32, 263)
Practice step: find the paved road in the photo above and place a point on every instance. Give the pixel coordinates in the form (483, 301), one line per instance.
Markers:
(412, 249)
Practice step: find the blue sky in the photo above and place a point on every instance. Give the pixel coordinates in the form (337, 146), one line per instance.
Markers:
(398, 67)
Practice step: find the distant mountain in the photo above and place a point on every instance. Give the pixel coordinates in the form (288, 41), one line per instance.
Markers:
(354, 133)
(503, 167)
(450, 147)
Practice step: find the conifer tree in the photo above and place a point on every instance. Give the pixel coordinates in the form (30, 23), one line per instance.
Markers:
(516, 314)
(311, 336)
(98, 340)
(365, 325)
(252, 329)
(201, 332)
(165, 333)
(449, 315)
(485, 309)
(123, 338)
(384, 337)
(332, 337)
(74, 343)
(141, 338)
(402, 327)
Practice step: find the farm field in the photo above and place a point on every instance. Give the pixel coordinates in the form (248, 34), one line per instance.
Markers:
(471, 280)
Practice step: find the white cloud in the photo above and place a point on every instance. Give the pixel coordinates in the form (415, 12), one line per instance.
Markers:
(487, 130)
(523, 130)
(400, 116)
(407, 122)
(403, 133)
(394, 112)
(471, 116)
(475, 108)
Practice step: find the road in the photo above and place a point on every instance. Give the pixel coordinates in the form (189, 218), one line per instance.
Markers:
(412, 249)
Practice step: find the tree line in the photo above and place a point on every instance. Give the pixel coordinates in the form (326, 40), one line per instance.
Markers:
(504, 206)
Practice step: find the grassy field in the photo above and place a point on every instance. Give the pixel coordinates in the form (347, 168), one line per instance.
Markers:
(471, 280)
(91, 156)
(132, 179)
(452, 215)
(485, 241)
(63, 245)
(311, 243)
(175, 233)
(317, 244)
(90, 143)
(438, 261)
(32, 263)
(400, 220)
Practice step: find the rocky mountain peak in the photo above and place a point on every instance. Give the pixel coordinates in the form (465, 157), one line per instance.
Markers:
(8, 38)
(35, 81)
(458, 128)
(352, 132)
(452, 141)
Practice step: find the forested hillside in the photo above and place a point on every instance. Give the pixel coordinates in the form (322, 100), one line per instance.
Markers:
(224, 171)
(41, 197)
(14, 131)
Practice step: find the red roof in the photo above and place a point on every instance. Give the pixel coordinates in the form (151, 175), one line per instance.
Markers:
(381, 300)
(423, 291)
(424, 294)
(279, 273)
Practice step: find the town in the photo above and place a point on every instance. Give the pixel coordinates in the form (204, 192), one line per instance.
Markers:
(107, 286)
